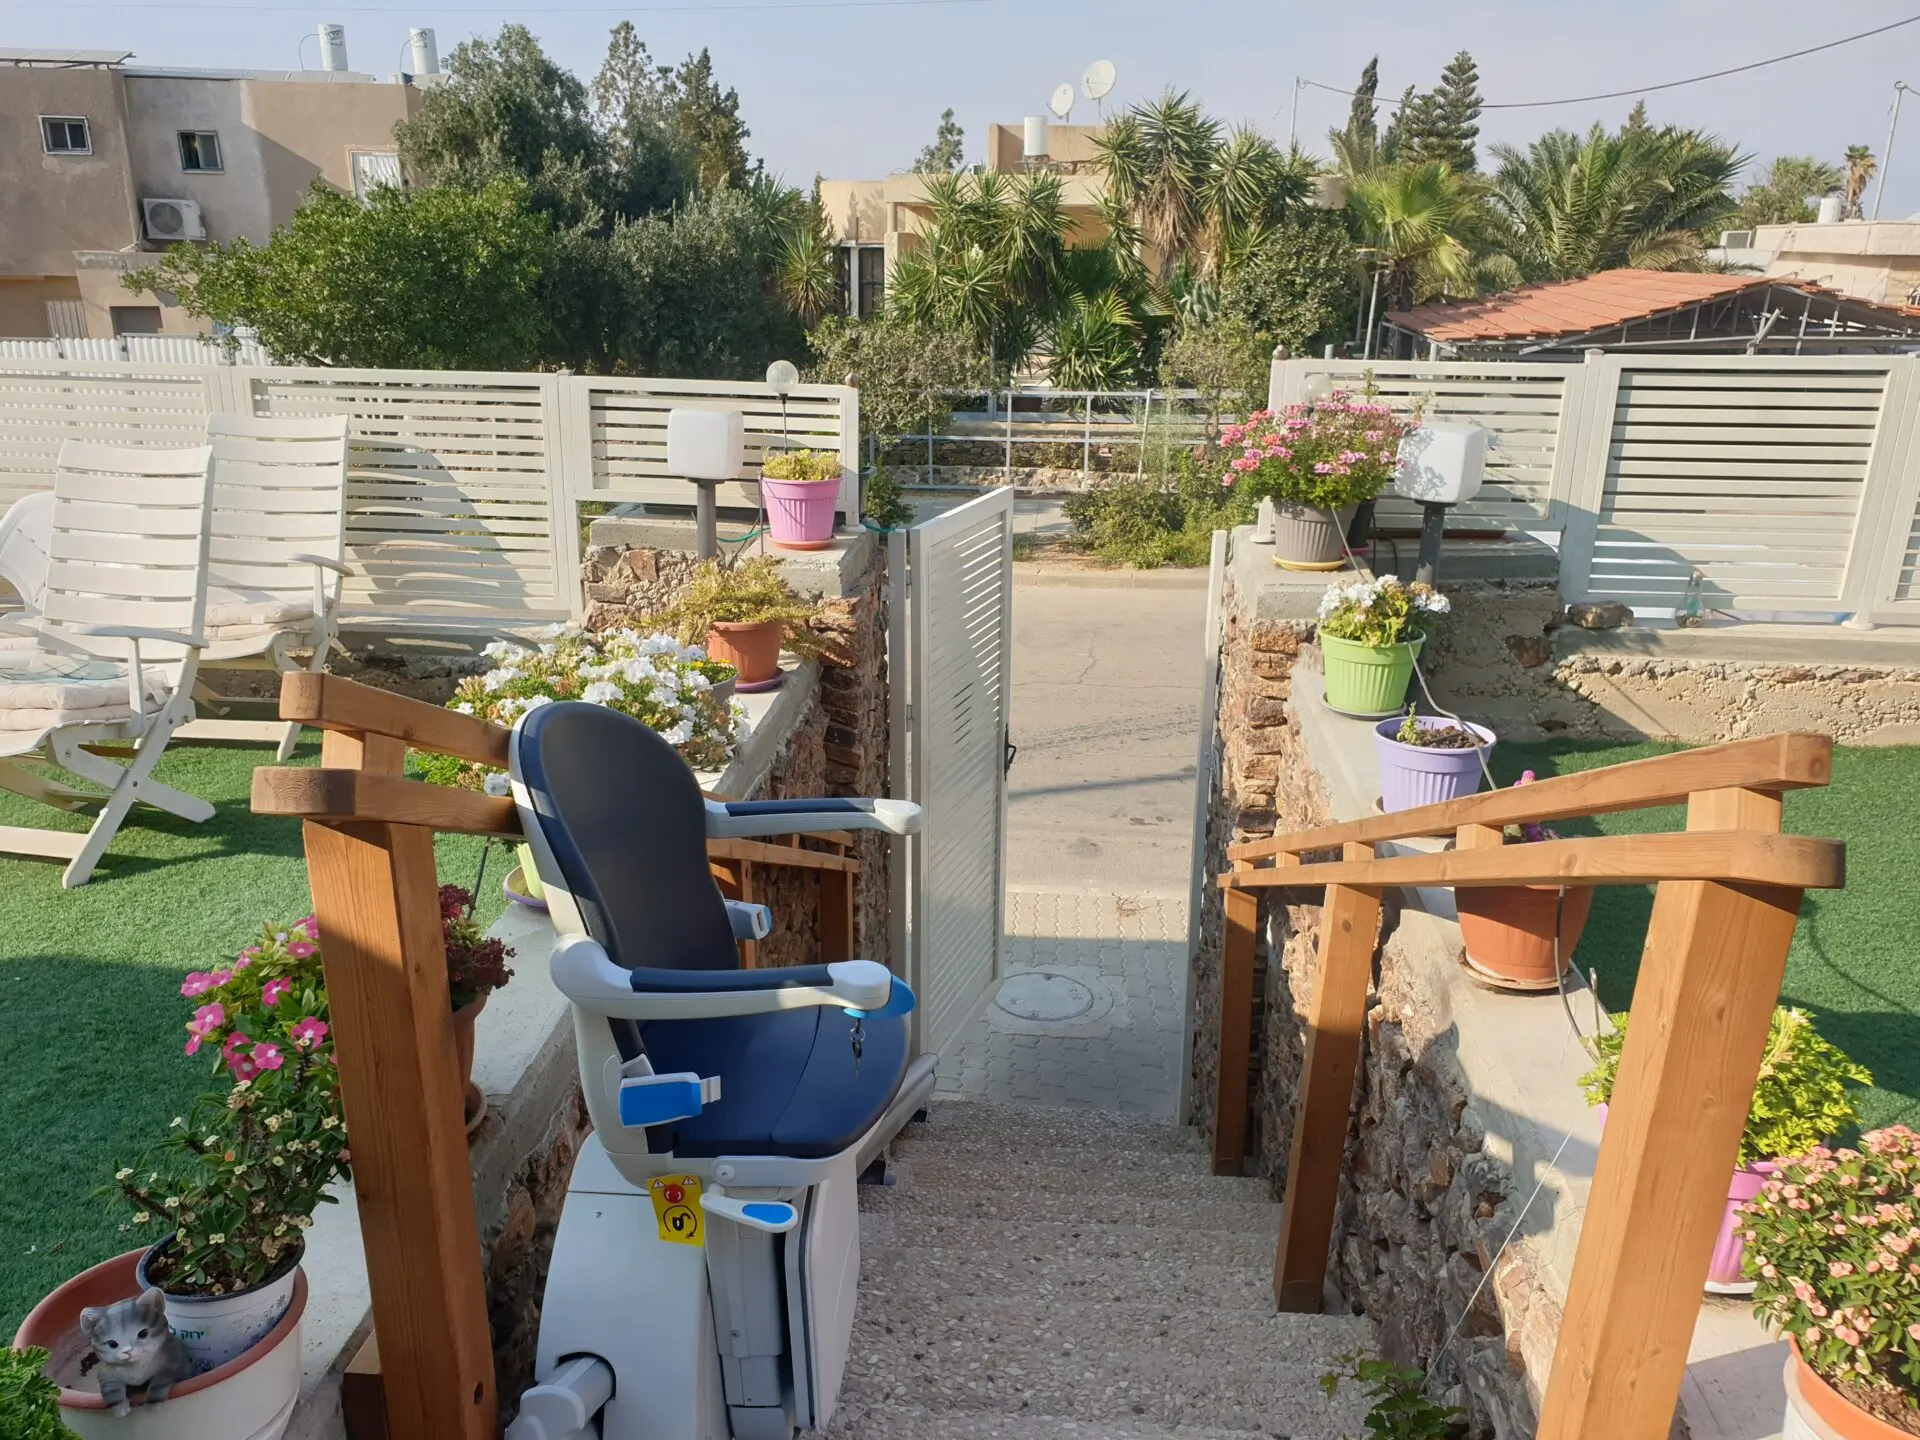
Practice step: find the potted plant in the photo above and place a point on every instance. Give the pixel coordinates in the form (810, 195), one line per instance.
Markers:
(1317, 463)
(476, 967)
(802, 489)
(1370, 634)
(1834, 1255)
(1514, 932)
(1800, 1102)
(29, 1401)
(746, 614)
(1425, 759)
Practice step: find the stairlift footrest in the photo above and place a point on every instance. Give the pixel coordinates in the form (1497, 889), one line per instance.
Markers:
(656, 1099)
(563, 1408)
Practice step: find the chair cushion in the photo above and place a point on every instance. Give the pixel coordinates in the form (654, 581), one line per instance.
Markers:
(788, 1081)
(229, 608)
(39, 691)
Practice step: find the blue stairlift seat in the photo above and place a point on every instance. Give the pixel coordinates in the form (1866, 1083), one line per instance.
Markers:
(626, 823)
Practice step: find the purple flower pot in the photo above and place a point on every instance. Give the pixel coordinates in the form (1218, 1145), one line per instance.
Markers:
(1411, 775)
(1723, 1272)
(800, 512)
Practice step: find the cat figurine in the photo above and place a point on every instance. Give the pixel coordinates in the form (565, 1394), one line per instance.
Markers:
(135, 1346)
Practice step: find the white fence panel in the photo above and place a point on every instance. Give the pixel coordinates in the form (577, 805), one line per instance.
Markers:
(959, 616)
(1751, 472)
(29, 350)
(42, 405)
(626, 438)
(1521, 406)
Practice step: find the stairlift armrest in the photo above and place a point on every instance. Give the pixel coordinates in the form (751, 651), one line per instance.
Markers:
(746, 819)
(583, 973)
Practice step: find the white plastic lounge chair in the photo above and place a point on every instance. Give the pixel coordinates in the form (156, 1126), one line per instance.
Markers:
(24, 532)
(109, 669)
(276, 557)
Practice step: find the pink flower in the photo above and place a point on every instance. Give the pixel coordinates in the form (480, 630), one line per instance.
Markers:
(236, 1042)
(308, 1032)
(242, 963)
(1913, 1332)
(196, 984)
(241, 1068)
(1279, 452)
(271, 992)
(1246, 463)
(300, 949)
(1323, 468)
(1811, 1335)
(1839, 1269)
(220, 977)
(266, 1055)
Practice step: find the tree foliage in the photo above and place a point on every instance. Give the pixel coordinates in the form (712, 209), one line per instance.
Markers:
(1417, 218)
(1357, 147)
(1227, 361)
(435, 279)
(948, 150)
(1298, 287)
(1788, 194)
(1443, 124)
(1860, 169)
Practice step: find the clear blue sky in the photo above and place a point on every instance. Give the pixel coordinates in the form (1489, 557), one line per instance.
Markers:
(856, 91)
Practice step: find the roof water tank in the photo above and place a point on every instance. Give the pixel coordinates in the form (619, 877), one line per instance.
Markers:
(1829, 209)
(1036, 138)
(333, 47)
(426, 53)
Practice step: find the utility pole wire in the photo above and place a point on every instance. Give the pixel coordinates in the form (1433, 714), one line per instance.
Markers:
(1665, 85)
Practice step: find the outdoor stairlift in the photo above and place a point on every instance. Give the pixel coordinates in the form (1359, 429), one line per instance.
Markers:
(705, 1269)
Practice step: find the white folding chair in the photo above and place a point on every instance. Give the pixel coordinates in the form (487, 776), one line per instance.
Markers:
(24, 532)
(109, 669)
(277, 556)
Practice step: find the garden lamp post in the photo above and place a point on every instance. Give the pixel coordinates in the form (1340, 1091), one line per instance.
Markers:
(1441, 464)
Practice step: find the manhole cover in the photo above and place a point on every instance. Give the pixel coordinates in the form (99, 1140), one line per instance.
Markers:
(1041, 995)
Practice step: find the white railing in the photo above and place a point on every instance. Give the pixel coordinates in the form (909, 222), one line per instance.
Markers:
(464, 488)
(1791, 485)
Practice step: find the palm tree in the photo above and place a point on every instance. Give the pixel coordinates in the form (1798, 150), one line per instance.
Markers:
(1570, 205)
(1417, 220)
(804, 271)
(1860, 168)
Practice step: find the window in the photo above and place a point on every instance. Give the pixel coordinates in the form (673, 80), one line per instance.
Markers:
(372, 169)
(200, 150)
(66, 319)
(843, 278)
(65, 135)
(873, 279)
(136, 319)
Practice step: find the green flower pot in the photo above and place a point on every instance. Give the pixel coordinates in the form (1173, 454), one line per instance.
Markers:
(1368, 680)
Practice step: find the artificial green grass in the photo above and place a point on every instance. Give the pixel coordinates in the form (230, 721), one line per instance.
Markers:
(1855, 963)
(90, 1010)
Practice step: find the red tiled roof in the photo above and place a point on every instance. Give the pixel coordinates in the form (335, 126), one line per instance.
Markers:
(1574, 307)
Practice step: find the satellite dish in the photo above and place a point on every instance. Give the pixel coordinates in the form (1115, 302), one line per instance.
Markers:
(1063, 102)
(1098, 80)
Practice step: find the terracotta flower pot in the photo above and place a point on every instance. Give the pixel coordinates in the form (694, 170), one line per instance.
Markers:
(249, 1398)
(753, 650)
(1817, 1411)
(1509, 931)
(463, 1022)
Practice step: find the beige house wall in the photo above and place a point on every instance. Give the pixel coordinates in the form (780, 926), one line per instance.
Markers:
(232, 201)
(1070, 146)
(100, 277)
(23, 303)
(308, 131)
(1876, 260)
(52, 205)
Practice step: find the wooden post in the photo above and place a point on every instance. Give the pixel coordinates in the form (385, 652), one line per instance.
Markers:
(1238, 941)
(376, 897)
(836, 915)
(1709, 981)
(1349, 925)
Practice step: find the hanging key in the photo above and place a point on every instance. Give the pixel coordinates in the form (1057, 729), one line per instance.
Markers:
(858, 1037)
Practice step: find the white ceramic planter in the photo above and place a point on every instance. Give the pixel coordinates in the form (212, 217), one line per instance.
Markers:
(249, 1398)
(219, 1328)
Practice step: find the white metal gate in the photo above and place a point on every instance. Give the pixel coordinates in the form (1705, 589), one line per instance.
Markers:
(952, 628)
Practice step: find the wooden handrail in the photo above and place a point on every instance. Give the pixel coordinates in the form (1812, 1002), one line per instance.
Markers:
(1737, 856)
(1771, 762)
(329, 702)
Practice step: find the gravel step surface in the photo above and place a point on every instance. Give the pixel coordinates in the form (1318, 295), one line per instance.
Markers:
(1016, 1204)
(1035, 1241)
(1028, 1129)
(934, 1277)
(936, 1170)
(891, 1423)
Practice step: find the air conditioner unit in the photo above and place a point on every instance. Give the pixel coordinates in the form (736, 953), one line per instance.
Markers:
(173, 220)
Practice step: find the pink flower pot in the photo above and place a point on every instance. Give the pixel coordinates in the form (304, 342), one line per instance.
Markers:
(1723, 1273)
(800, 512)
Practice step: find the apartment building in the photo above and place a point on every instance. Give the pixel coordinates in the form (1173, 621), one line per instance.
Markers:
(104, 164)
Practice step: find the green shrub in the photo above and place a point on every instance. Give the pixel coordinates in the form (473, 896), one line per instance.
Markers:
(1800, 1097)
(884, 502)
(29, 1401)
(1401, 1409)
(1158, 520)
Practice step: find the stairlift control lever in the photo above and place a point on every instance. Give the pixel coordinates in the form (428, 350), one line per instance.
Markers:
(564, 1407)
(776, 1217)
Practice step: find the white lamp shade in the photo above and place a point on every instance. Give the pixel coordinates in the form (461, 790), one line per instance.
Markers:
(1442, 463)
(706, 444)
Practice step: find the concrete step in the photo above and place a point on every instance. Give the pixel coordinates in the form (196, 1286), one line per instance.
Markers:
(1019, 1203)
(901, 1423)
(1032, 1241)
(1031, 1129)
(1255, 1390)
(933, 1277)
(1144, 1173)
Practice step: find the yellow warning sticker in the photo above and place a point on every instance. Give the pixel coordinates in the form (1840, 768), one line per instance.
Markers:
(676, 1207)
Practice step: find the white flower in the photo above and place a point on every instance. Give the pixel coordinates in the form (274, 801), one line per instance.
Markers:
(125, 1174)
(463, 708)
(634, 672)
(534, 702)
(499, 679)
(505, 650)
(660, 645)
(680, 734)
(497, 785)
(1436, 604)
(601, 692)
(696, 682)
(556, 632)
